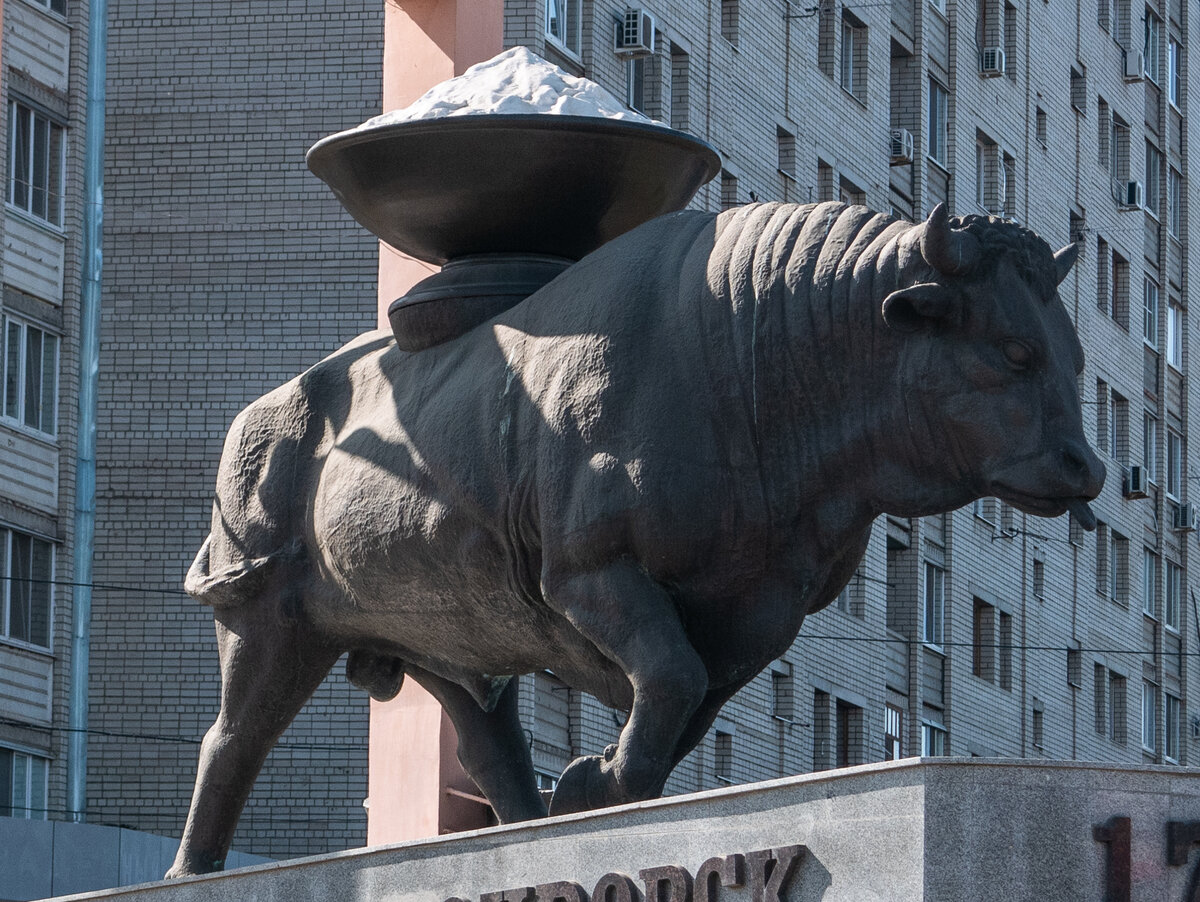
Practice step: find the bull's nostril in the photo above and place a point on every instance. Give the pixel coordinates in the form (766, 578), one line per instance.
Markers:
(1073, 461)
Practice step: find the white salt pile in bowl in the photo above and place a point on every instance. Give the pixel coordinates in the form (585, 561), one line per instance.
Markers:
(517, 81)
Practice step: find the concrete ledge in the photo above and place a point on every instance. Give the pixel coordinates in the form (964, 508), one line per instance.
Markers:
(919, 829)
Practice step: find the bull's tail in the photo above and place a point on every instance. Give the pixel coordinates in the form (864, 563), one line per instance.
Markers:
(235, 583)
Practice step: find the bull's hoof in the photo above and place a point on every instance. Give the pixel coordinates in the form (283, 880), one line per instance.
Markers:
(193, 864)
(582, 787)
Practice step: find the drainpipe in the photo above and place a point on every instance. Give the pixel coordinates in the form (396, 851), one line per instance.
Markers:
(89, 371)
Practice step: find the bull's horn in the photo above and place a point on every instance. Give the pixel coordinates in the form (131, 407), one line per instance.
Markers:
(1064, 260)
(948, 250)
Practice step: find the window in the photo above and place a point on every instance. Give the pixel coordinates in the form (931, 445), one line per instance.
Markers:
(1118, 282)
(36, 156)
(1074, 668)
(1171, 731)
(783, 694)
(850, 193)
(724, 757)
(635, 84)
(1104, 134)
(939, 127)
(983, 641)
(1154, 161)
(1150, 446)
(1041, 132)
(1117, 706)
(23, 785)
(729, 21)
(1103, 562)
(1149, 715)
(1173, 71)
(826, 36)
(1079, 88)
(729, 190)
(1150, 313)
(935, 604)
(1151, 44)
(1174, 202)
(1173, 596)
(785, 152)
(1118, 156)
(1039, 728)
(893, 733)
(1149, 582)
(1174, 465)
(30, 366)
(1118, 568)
(1010, 40)
(55, 6)
(1039, 580)
(680, 74)
(1117, 440)
(854, 57)
(1175, 334)
(564, 24)
(1100, 683)
(986, 509)
(849, 734)
(933, 740)
(27, 566)
(1103, 264)
(1005, 649)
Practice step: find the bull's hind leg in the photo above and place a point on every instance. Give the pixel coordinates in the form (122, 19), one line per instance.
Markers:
(491, 747)
(270, 665)
(633, 621)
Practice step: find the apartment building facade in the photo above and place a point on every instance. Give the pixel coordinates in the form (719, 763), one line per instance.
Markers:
(229, 269)
(984, 631)
(43, 59)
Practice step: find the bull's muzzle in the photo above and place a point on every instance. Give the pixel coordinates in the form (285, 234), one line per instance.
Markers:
(1083, 474)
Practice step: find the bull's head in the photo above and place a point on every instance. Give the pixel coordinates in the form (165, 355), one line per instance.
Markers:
(989, 360)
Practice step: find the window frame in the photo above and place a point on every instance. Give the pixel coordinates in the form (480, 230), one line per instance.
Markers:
(11, 583)
(935, 740)
(1172, 728)
(1174, 71)
(1150, 446)
(1149, 716)
(938, 122)
(1172, 596)
(9, 806)
(1151, 44)
(55, 171)
(1173, 478)
(933, 630)
(1174, 335)
(1149, 583)
(1150, 307)
(573, 27)
(47, 395)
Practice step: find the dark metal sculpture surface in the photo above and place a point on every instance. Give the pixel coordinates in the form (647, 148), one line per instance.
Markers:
(643, 477)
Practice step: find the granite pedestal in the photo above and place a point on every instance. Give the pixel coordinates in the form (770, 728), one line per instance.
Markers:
(920, 829)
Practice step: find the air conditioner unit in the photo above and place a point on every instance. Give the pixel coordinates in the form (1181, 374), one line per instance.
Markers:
(902, 146)
(1135, 65)
(1186, 518)
(1136, 483)
(991, 62)
(1133, 195)
(635, 34)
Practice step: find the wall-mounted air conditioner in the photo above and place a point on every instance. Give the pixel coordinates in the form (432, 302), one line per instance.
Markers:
(1136, 483)
(1135, 65)
(1186, 518)
(991, 62)
(1131, 196)
(635, 34)
(902, 146)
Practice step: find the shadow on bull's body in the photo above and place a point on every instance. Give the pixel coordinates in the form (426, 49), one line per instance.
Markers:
(643, 478)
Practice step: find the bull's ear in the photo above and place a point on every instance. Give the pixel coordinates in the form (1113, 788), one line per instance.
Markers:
(1064, 260)
(920, 305)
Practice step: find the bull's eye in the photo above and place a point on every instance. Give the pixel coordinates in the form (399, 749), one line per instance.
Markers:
(1017, 353)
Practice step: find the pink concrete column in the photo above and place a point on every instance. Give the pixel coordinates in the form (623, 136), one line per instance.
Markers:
(415, 785)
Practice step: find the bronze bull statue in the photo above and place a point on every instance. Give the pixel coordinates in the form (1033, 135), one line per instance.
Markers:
(643, 478)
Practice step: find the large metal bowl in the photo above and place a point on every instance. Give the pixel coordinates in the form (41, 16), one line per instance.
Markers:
(532, 184)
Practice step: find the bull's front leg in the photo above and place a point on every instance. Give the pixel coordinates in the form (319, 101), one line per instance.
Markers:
(632, 621)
